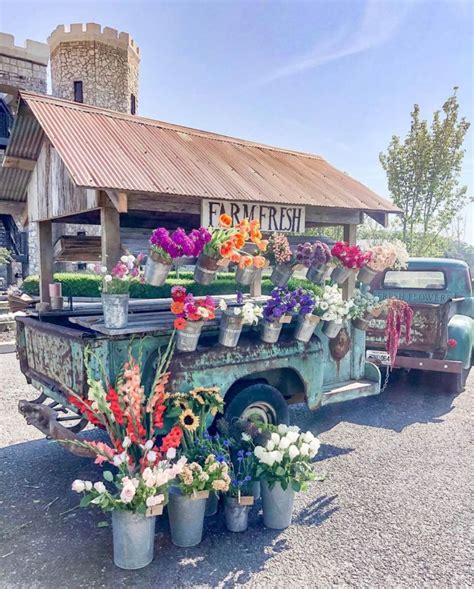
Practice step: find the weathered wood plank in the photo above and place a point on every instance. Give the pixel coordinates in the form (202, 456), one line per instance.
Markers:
(19, 163)
(328, 216)
(161, 203)
(119, 200)
(45, 255)
(110, 222)
(350, 236)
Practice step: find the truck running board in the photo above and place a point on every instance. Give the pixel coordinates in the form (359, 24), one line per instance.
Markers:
(351, 390)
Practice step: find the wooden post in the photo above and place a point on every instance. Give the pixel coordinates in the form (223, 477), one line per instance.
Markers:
(110, 236)
(46, 258)
(350, 236)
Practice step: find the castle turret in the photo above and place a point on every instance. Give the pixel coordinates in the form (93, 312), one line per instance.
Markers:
(95, 66)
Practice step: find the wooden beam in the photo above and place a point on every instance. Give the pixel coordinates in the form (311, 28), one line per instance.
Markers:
(350, 237)
(381, 218)
(21, 163)
(14, 208)
(46, 258)
(119, 200)
(110, 236)
(160, 203)
(332, 216)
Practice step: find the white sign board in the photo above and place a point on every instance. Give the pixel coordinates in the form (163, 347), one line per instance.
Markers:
(281, 218)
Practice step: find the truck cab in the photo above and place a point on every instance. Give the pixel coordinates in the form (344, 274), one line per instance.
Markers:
(439, 290)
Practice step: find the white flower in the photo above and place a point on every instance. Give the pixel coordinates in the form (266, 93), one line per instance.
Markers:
(100, 487)
(270, 445)
(147, 473)
(278, 456)
(151, 456)
(117, 460)
(304, 449)
(171, 454)
(293, 428)
(275, 438)
(293, 452)
(292, 437)
(155, 500)
(245, 437)
(284, 443)
(78, 486)
(282, 428)
(268, 458)
(149, 444)
(126, 442)
(259, 451)
(103, 269)
(88, 485)
(108, 278)
(223, 305)
(128, 492)
(314, 447)
(307, 437)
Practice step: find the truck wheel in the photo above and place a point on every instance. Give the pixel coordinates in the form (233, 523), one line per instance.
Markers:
(261, 402)
(454, 383)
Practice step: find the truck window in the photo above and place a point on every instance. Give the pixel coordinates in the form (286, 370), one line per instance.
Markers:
(429, 279)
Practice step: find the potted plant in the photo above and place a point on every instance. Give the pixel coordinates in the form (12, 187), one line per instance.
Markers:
(348, 259)
(364, 306)
(218, 251)
(116, 288)
(385, 255)
(166, 247)
(191, 313)
(248, 265)
(281, 258)
(307, 321)
(234, 318)
(239, 498)
(315, 257)
(277, 310)
(284, 466)
(332, 309)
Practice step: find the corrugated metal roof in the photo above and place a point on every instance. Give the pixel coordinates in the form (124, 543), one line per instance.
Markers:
(108, 150)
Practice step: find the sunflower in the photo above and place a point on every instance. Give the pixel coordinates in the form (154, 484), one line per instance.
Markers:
(197, 397)
(189, 420)
(181, 404)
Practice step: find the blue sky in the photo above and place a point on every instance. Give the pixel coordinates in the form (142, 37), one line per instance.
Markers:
(332, 77)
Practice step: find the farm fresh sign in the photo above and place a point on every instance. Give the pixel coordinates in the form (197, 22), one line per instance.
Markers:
(272, 217)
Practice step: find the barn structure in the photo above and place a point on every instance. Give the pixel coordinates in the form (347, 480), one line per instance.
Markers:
(129, 174)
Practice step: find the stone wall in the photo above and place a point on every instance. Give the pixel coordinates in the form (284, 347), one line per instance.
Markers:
(22, 68)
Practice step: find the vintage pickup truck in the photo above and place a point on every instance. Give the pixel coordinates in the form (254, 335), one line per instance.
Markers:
(257, 379)
(440, 293)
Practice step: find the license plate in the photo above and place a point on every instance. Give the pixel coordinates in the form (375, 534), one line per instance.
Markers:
(378, 357)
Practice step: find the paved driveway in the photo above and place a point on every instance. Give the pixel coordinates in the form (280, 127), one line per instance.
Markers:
(395, 508)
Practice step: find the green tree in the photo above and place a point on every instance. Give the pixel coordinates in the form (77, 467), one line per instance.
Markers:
(5, 256)
(423, 175)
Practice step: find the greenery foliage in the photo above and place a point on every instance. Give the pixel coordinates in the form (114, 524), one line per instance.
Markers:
(5, 256)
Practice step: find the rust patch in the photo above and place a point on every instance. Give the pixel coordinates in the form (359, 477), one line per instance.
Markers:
(340, 345)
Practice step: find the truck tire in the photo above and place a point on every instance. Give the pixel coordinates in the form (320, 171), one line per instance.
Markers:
(454, 384)
(260, 401)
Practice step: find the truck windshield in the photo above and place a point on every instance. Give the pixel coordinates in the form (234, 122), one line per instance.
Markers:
(429, 279)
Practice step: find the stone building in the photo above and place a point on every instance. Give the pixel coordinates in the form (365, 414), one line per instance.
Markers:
(22, 68)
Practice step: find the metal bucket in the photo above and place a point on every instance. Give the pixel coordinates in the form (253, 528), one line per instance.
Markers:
(331, 329)
(205, 270)
(270, 331)
(230, 330)
(306, 326)
(281, 274)
(156, 272)
(115, 309)
(277, 506)
(186, 516)
(134, 539)
(340, 274)
(316, 274)
(236, 515)
(366, 275)
(245, 276)
(360, 323)
(211, 504)
(187, 339)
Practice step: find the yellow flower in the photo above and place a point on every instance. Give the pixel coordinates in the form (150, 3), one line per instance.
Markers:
(181, 404)
(197, 397)
(189, 420)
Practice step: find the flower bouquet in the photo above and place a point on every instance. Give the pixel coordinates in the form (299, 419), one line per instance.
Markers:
(239, 497)
(277, 310)
(248, 264)
(281, 258)
(348, 259)
(315, 257)
(166, 247)
(190, 316)
(383, 256)
(332, 309)
(364, 306)
(307, 321)
(116, 289)
(284, 466)
(234, 318)
(398, 323)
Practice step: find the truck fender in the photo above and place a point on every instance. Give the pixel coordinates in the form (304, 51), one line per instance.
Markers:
(460, 328)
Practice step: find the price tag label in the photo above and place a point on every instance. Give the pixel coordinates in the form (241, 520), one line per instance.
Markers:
(285, 319)
(155, 510)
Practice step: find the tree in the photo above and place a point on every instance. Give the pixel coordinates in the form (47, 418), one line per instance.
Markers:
(423, 175)
(5, 256)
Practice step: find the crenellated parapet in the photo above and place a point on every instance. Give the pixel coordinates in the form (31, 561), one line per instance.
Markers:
(22, 67)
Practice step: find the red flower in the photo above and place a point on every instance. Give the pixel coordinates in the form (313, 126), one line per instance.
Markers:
(179, 323)
(452, 343)
(171, 440)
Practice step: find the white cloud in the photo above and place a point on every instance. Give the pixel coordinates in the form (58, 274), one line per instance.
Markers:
(378, 23)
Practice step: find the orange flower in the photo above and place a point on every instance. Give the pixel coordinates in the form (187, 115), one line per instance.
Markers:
(255, 224)
(225, 221)
(235, 258)
(177, 307)
(255, 235)
(179, 323)
(259, 261)
(262, 245)
(244, 225)
(239, 240)
(245, 262)
(227, 249)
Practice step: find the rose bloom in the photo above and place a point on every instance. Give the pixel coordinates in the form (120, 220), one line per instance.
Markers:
(128, 492)
(78, 486)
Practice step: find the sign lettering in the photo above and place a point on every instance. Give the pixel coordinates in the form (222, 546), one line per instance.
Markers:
(282, 218)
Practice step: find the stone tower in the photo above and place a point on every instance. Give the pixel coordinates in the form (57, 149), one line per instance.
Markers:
(95, 66)
(22, 68)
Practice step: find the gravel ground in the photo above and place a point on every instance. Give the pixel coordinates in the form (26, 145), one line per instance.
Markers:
(395, 508)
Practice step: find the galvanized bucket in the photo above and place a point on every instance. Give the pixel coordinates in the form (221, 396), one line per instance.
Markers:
(230, 330)
(187, 339)
(366, 275)
(115, 309)
(362, 322)
(277, 505)
(270, 331)
(211, 504)
(134, 538)
(156, 272)
(281, 274)
(186, 516)
(205, 270)
(340, 274)
(236, 515)
(331, 329)
(245, 276)
(316, 274)
(306, 326)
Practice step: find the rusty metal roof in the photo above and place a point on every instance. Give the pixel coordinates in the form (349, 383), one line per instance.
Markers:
(103, 149)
